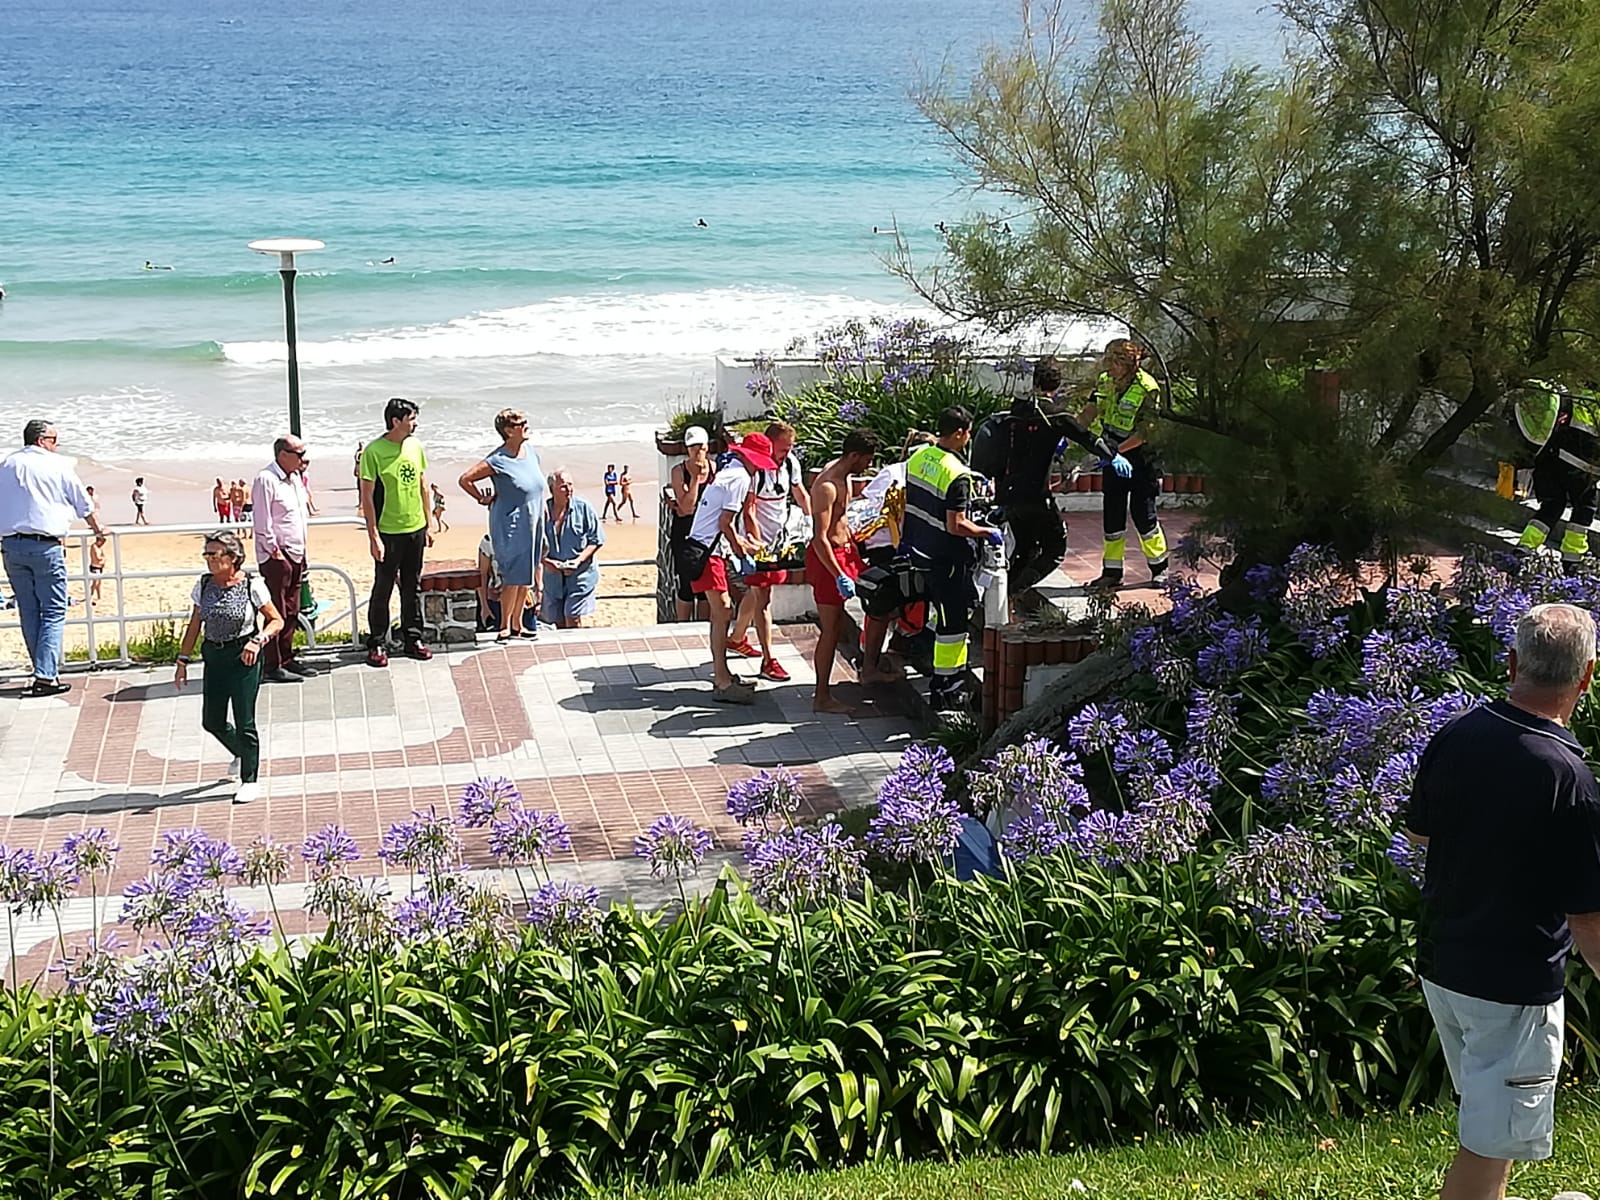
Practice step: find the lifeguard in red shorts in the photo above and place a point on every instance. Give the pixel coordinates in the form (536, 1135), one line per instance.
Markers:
(833, 564)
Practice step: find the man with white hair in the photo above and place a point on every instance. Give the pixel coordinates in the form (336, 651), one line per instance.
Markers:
(1510, 814)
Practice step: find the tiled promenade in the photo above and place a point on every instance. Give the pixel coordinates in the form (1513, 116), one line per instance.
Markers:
(610, 728)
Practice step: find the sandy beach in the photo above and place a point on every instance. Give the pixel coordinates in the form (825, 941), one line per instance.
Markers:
(183, 497)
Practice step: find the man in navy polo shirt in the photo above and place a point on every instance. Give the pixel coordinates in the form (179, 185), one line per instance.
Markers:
(1510, 814)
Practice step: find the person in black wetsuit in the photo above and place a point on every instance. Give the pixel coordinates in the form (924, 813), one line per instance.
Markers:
(1033, 437)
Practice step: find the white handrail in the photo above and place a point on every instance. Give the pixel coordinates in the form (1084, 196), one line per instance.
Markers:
(115, 575)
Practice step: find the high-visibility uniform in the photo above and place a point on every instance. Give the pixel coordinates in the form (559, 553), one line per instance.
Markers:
(1566, 426)
(938, 483)
(1117, 415)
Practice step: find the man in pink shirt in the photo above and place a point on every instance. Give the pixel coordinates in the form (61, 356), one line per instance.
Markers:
(280, 503)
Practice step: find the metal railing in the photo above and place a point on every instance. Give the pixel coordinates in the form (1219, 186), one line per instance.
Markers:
(114, 575)
(93, 614)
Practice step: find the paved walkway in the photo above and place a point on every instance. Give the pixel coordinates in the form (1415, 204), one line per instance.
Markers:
(610, 728)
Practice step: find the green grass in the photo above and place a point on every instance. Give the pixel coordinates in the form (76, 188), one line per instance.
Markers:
(1393, 1158)
(160, 645)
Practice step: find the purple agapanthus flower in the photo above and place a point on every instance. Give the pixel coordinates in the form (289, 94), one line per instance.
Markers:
(1141, 752)
(798, 868)
(486, 798)
(95, 970)
(213, 862)
(1417, 611)
(44, 881)
(225, 924)
(328, 850)
(1192, 608)
(1170, 823)
(565, 914)
(1095, 728)
(160, 900)
(1211, 724)
(180, 849)
(525, 836)
(1233, 646)
(916, 821)
(1102, 837)
(429, 841)
(90, 851)
(673, 846)
(1395, 662)
(1281, 877)
(1041, 832)
(132, 1017)
(1409, 858)
(767, 795)
(853, 412)
(429, 915)
(1035, 771)
(1265, 582)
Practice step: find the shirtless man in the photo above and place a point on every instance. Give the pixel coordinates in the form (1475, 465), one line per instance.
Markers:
(832, 561)
(236, 500)
(219, 502)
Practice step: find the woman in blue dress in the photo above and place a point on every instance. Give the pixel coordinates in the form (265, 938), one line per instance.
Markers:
(516, 515)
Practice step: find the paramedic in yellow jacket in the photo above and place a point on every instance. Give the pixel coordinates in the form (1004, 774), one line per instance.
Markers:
(1121, 408)
(1565, 425)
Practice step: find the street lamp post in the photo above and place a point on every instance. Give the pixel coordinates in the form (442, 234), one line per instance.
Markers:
(286, 249)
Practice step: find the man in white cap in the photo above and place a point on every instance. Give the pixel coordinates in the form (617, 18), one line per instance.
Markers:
(687, 481)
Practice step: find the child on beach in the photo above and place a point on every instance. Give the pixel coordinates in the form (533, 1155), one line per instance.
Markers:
(611, 505)
(140, 495)
(97, 565)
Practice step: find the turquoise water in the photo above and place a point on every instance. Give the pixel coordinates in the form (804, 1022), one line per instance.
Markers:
(535, 169)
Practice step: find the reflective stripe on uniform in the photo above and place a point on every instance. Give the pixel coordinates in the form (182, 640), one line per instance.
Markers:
(1534, 535)
(1574, 542)
(1154, 545)
(1572, 460)
(1116, 550)
(950, 653)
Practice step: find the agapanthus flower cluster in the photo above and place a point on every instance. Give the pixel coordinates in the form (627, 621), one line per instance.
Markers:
(1035, 771)
(1281, 877)
(1317, 589)
(1039, 833)
(767, 796)
(1193, 608)
(565, 914)
(95, 969)
(1394, 663)
(357, 910)
(1233, 645)
(91, 852)
(853, 411)
(1096, 728)
(799, 868)
(428, 842)
(1102, 838)
(1266, 582)
(673, 846)
(1142, 752)
(1155, 653)
(265, 863)
(485, 799)
(524, 836)
(1417, 611)
(328, 850)
(1211, 724)
(1409, 858)
(430, 915)
(915, 821)
(32, 881)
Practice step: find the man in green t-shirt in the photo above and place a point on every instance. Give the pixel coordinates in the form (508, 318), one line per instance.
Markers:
(394, 500)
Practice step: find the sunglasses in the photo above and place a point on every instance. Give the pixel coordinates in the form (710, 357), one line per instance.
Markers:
(215, 554)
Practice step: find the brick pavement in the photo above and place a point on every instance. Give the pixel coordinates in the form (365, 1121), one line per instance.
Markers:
(609, 727)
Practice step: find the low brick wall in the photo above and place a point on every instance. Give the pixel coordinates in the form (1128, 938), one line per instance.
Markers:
(450, 603)
(1020, 662)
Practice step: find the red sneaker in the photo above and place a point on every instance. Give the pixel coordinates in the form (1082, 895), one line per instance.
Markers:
(773, 669)
(418, 651)
(376, 657)
(743, 649)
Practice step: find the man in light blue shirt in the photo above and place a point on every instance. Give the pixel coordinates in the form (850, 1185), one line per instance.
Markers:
(40, 494)
(571, 575)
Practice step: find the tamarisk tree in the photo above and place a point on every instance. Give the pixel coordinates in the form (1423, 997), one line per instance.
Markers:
(1404, 198)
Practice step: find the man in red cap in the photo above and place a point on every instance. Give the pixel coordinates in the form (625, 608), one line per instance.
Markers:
(719, 533)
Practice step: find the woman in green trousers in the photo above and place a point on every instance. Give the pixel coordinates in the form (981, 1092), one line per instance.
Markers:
(229, 603)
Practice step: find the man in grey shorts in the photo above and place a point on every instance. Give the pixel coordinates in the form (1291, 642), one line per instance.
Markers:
(1510, 814)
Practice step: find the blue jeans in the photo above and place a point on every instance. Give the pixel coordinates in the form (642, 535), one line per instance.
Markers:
(38, 574)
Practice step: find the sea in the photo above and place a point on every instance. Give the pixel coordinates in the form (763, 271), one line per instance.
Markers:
(565, 206)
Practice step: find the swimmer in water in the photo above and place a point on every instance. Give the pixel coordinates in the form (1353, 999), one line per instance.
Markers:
(701, 224)
(384, 262)
(150, 266)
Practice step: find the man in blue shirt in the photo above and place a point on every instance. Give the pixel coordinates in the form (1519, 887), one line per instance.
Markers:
(40, 494)
(572, 535)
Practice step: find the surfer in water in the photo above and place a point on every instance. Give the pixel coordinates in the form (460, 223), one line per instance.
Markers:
(150, 266)
(386, 262)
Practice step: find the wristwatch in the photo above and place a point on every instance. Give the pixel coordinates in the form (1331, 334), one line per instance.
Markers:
(184, 660)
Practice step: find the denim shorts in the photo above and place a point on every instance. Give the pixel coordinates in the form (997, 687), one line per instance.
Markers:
(1503, 1060)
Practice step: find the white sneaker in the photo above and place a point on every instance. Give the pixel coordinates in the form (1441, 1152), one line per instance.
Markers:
(247, 792)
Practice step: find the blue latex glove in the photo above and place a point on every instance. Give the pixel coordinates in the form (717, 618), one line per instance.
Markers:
(1122, 467)
(846, 586)
(995, 538)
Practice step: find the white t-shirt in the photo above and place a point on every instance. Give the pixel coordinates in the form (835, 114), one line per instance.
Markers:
(771, 489)
(140, 495)
(726, 492)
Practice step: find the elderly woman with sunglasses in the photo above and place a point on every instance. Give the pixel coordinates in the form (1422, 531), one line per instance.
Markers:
(230, 605)
(516, 515)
